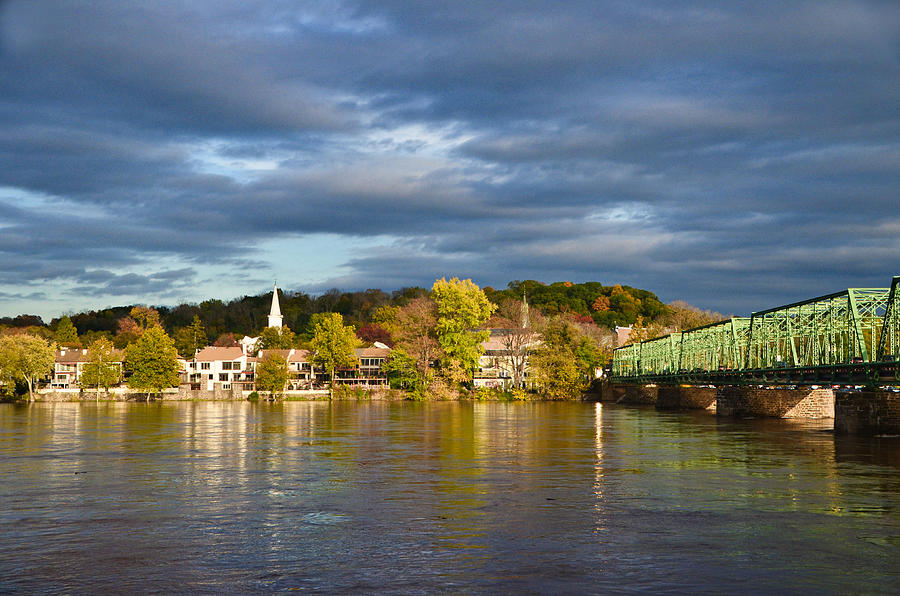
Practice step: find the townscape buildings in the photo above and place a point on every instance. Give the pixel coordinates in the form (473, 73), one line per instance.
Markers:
(232, 369)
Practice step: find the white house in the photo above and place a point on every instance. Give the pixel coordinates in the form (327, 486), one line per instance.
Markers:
(223, 368)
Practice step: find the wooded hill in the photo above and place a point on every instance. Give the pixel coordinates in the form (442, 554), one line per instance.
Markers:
(606, 306)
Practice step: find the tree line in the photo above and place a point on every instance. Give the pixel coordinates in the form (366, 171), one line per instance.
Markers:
(436, 333)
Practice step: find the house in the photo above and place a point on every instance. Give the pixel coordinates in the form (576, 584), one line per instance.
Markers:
(503, 352)
(367, 371)
(221, 368)
(69, 366)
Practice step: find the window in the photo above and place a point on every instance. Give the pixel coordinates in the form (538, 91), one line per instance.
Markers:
(236, 365)
(204, 366)
(223, 376)
(226, 366)
(226, 386)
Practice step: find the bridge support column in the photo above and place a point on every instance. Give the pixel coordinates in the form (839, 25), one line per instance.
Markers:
(638, 394)
(686, 397)
(867, 413)
(775, 403)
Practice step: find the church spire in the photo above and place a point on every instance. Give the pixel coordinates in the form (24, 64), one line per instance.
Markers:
(526, 322)
(275, 317)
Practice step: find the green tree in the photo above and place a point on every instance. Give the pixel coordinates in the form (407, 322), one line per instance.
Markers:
(402, 371)
(461, 308)
(153, 361)
(66, 334)
(332, 344)
(274, 338)
(564, 364)
(191, 338)
(103, 368)
(272, 373)
(26, 357)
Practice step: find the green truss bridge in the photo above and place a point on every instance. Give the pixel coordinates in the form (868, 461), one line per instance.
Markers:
(848, 338)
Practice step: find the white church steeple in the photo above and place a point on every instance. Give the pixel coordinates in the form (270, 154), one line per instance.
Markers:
(275, 317)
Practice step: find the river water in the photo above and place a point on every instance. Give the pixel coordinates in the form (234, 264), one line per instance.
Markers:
(425, 498)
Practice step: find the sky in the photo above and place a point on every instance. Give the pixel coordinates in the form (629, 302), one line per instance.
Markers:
(736, 155)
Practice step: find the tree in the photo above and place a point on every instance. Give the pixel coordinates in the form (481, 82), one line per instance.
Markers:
(518, 335)
(372, 332)
(272, 373)
(684, 316)
(191, 338)
(461, 308)
(564, 364)
(601, 304)
(332, 344)
(414, 330)
(275, 338)
(26, 357)
(128, 332)
(66, 334)
(153, 361)
(102, 369)
(402, 371)
(145, 316)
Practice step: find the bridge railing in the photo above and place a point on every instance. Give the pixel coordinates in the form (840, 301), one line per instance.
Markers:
(889, 342)
(853, 334)
(840, 328)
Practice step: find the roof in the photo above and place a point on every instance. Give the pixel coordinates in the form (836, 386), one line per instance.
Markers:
(372, 352)
(213, 353)
(292, 355)
(81, 355)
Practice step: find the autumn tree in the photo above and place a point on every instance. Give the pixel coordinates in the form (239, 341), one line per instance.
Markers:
(272, 372)
(145, 316)
(128, 332)
(517, 327)
(332, 344)
(153, 361)
(601, 304)
(66, 334)
(372, 332)
(103, 368)
(26, 357)
(414, 332)
(461, 308)
(684, 316)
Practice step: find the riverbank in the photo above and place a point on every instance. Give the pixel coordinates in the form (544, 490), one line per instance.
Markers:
(125, 394)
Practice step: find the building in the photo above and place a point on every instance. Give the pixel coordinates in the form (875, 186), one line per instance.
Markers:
(502, 353)
(221, 368)
(275, 318)
(69, 366)
(367, 370)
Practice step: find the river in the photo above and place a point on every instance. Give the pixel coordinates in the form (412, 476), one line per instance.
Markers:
(446, 497)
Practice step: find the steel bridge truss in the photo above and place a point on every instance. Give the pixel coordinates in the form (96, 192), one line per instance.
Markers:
(846, 338)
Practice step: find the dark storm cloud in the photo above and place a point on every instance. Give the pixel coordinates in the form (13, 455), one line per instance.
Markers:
(732, 154)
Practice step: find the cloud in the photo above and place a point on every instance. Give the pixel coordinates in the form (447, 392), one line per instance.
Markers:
(730, 155)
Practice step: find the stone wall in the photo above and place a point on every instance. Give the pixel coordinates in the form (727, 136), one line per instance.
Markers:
(685, 397)
(638, 394)
(775, 403)
(182, 393)
(867, 413)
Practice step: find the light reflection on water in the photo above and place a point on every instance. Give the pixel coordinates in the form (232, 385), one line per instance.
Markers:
(418, 498)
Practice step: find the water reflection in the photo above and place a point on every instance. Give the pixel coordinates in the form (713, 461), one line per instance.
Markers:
(410, 497)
